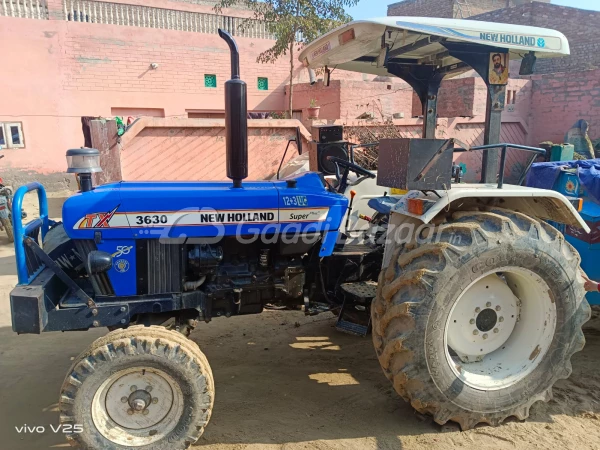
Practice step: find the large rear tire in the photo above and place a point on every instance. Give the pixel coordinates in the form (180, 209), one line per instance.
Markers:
(478, 324)
(143, 387)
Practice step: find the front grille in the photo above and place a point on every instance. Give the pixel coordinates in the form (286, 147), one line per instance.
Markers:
(158, 267)
(100, 281)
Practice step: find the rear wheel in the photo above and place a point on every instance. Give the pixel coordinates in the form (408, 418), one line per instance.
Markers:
(142, 387)
(479, 324)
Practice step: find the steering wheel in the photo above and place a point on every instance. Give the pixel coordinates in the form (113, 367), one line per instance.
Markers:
(349, 167)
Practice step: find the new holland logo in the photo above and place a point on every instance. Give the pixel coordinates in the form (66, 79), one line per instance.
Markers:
(515, 39)
(121, 265)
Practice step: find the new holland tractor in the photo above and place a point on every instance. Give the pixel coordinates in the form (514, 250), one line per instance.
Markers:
(475, 303)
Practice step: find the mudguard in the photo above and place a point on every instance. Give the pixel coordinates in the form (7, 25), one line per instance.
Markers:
(541, 203)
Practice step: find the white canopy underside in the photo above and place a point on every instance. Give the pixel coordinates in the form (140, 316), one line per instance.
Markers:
(360, 46)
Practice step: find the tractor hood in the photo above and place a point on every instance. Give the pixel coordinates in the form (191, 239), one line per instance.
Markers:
(146, 210)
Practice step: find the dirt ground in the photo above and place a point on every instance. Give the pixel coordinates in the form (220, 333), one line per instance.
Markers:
(287, 381)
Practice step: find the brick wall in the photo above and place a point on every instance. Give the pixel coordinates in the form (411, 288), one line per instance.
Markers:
(61, 71)
(117, 59)
(351, 97)
(466, 8)
(578, 25)
(467, 97)
(422, 8)
(460, 9)
(379, 99)
(326, 97)
(160, 149)
(457, 98)
(56, 8)
(562, 99)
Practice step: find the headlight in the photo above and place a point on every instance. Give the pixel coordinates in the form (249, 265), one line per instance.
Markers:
(83, 160)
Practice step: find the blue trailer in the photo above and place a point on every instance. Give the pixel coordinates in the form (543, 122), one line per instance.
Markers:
(588, 244)
(580, 182)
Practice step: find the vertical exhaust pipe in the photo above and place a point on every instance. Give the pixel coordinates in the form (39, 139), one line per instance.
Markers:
(236, 118)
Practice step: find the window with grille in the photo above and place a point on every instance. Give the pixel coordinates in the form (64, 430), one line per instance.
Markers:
(210, 81)
(11, 135)
(263, 84)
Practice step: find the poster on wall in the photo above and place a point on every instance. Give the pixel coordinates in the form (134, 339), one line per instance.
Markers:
(498, 68)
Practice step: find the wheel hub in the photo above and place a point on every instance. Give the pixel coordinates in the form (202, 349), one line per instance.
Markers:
(139, 400)
(483, 319)
(500, 328)
(144, 404)
(486, 320)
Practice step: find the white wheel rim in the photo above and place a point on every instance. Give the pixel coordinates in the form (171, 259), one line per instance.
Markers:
(137, 406)
(500, 328)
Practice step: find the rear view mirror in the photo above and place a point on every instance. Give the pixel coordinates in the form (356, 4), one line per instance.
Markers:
(528, 64)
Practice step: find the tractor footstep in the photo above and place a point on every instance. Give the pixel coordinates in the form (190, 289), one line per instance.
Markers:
(356, 295)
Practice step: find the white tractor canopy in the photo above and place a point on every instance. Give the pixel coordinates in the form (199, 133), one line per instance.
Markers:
(366, 46)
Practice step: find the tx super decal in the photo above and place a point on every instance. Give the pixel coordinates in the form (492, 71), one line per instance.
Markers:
(205, 217)
(97, 220)
(305, 216)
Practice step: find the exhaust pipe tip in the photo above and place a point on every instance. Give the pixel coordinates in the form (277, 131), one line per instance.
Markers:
(235, 53)
(236, 117)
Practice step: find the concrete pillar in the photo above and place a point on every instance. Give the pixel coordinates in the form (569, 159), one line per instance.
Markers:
(56, 9)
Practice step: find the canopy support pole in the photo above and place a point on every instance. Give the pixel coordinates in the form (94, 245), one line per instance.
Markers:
(426, 81)
(478, 57)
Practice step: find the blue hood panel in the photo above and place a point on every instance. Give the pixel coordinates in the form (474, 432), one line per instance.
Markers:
(142, 210)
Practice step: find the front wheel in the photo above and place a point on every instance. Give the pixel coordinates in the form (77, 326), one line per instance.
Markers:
(479, 322)
(143, 387)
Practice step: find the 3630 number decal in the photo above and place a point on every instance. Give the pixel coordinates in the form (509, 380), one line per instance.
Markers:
(151, 219)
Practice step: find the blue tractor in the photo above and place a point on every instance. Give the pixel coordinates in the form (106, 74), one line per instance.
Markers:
(475, 304)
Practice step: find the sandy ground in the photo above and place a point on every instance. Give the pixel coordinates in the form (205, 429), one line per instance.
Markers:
(287, 381)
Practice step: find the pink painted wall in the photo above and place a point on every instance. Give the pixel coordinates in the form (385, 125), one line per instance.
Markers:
(327, 97)
(55, 7)
(194, 149)
(57, 71)
(60, 71)
(348, 96)
(382, 99)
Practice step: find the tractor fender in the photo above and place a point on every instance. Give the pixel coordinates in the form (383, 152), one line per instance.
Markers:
(541, 203)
